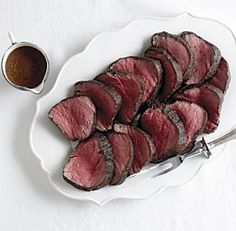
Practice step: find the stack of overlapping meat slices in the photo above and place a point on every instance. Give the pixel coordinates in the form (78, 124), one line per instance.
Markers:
(142, 109)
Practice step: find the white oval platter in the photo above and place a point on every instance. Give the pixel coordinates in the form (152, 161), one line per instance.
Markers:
(52, 149)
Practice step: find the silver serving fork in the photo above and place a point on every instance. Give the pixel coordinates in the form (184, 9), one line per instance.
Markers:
(200, 148)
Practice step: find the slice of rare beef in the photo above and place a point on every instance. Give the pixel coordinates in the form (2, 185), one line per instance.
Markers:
(75, 117)
(106, 99)
(90, 165)
(177, 121)
(163, 131)
(194, 120)
(148, 70)
(172, 78)
(209, 98)
(222, 76)
(123, 155)
(131, 90)
(143, 146)
(206, 58)
(177, 48)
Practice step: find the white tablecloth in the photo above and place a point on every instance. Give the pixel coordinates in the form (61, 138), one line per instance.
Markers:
(27, 200)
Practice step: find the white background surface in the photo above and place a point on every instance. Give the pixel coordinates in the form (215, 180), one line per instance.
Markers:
(27, 201)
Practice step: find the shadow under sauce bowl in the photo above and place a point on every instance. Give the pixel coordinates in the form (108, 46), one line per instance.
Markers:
(25, 66)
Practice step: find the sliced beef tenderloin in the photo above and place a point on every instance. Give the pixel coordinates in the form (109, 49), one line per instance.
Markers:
(148, 70)
(177, 48)
(177, 121)
(206, 58)
(222, 76)
(123, 155)
(209, 98)
(90, 165)
(173, 77)
(75, 117)
(131, 90)
(194, 119)
(143, 146)
(106, 99)
(163, 131)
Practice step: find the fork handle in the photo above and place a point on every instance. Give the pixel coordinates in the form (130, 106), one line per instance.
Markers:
(223, 139)
(196, 151)
(203, 148)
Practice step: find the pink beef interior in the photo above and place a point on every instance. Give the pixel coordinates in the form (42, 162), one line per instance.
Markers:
(122, 151)
(194, 119)
(164, 133)
(176, 49)
(142, 150)
(142, 67)
(170, 80)
(104, 101)
(75, 116)
(207, 98)
(203, 55)
(221, 77)
(86, 167)
(131, 91)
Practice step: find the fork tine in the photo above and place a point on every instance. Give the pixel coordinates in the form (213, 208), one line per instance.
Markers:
(168, 161)
(174, 161)
(163, 172)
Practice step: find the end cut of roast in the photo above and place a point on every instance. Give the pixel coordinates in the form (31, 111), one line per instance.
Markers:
(90, 165)
(177, 48)
(164, 133)
(222, 76)
(149, 71)
(208, 97)
(172, 78)
(194, 119)
(106, 99)
(206, 58)
(123, 155)
(143, 146)
(75, 117)
(131, 90)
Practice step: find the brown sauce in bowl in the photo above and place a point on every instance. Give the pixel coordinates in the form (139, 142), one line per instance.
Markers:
(26, 67)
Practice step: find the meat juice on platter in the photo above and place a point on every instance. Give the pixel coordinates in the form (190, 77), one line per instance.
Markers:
(142, 109)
